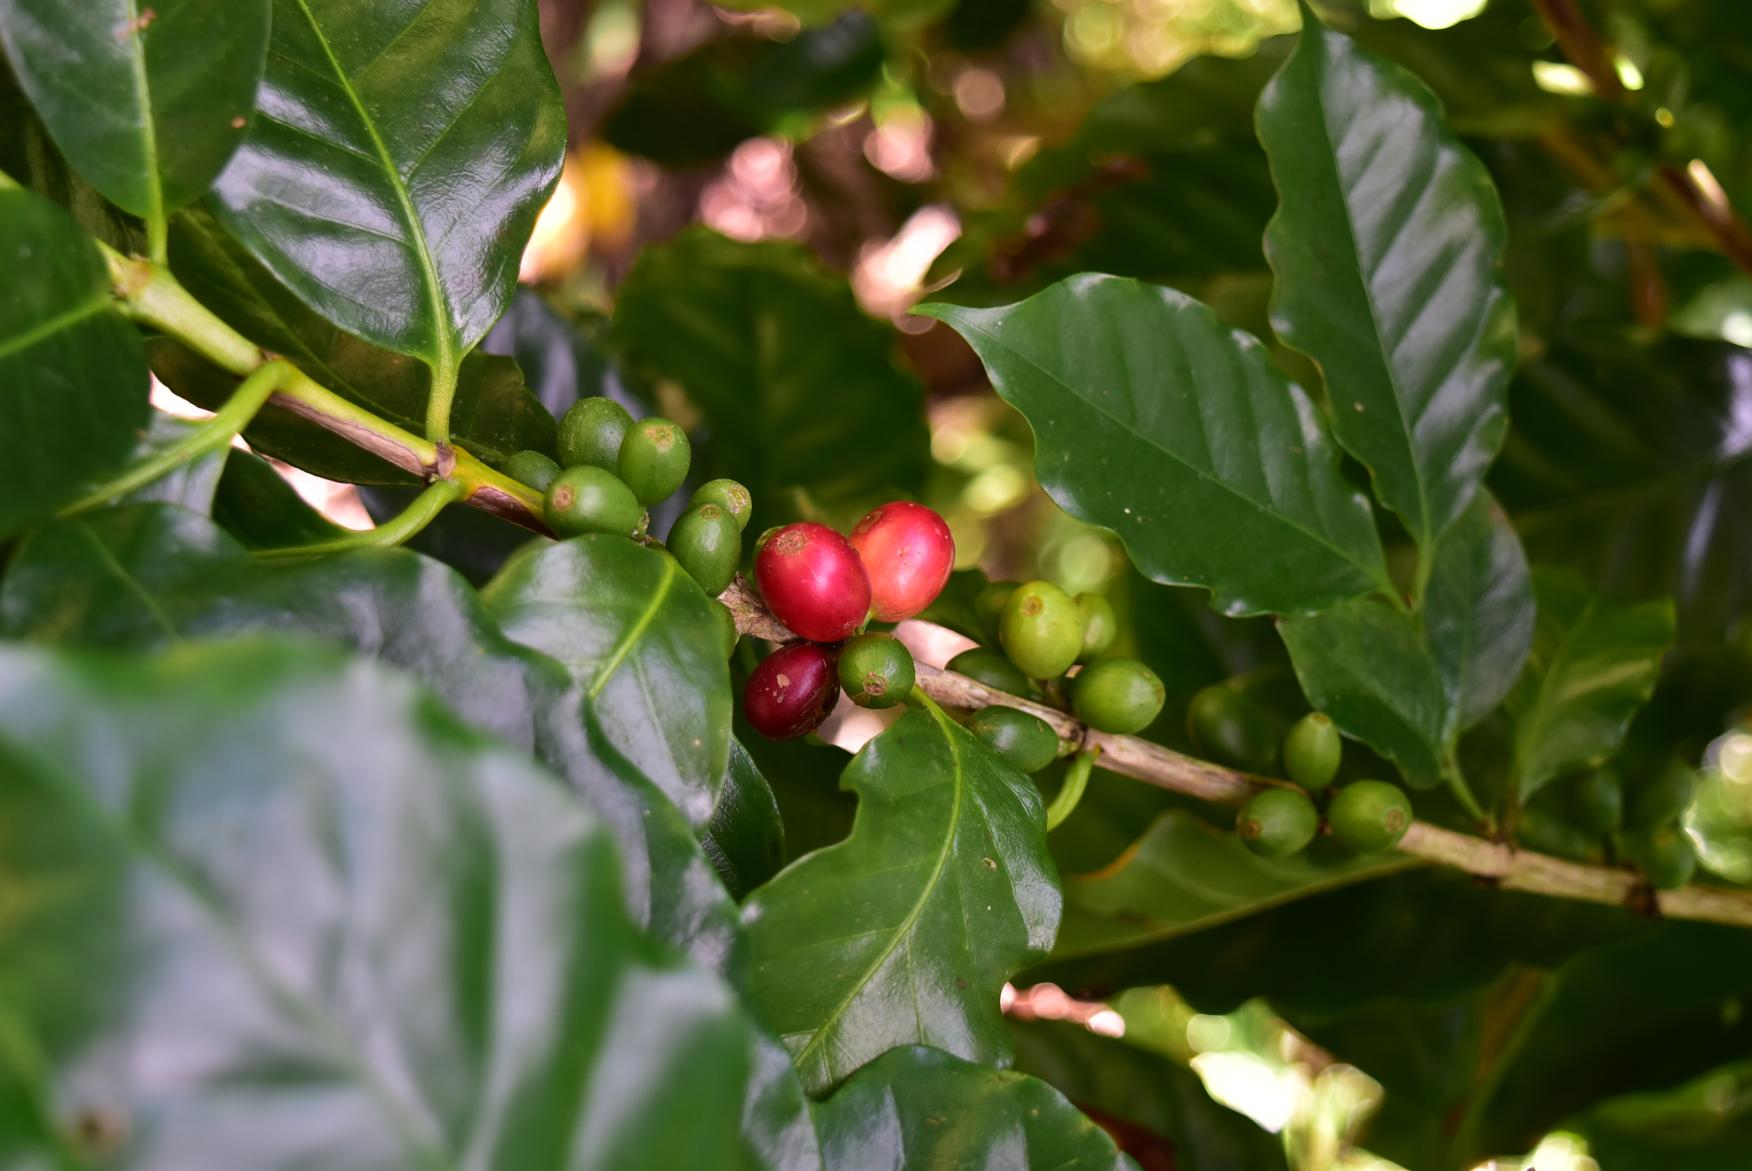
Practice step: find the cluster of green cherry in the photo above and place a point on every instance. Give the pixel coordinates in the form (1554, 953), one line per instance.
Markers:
(611, 469)
(1596, 816)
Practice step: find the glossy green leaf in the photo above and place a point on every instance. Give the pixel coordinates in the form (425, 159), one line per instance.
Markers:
(190, 485)
(151, 576)
(396, 165)
(255, 504)
(641, 639)
(755, 334)
(1478, 612)
(563, 357)
(73, 386)
(746, 837)
(1703, 1125)
(336, 929)
(904, 933)
(1364, 664)
(918, 1109)
(1385, 247)
(698, 107)
(147, 101)
(30, 157)
(1154, 420)
(1185, 875)
(1128, 1089)
(1593, 664)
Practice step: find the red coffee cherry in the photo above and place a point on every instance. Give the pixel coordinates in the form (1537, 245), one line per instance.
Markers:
(792, 691)
(908, 553)
(813, 581)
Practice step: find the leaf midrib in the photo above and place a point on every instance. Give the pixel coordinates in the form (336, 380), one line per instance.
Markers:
(906, 926)
(43, 330)
(445, 358)
(636, 631)
(1373, 573)
(148, 124)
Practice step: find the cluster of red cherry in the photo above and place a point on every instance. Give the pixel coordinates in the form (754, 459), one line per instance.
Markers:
(826, 587)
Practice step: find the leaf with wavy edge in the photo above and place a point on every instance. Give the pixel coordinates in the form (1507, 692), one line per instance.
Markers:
(905, 932)
(1155, 420)
(1386, 247)
(1478, 611)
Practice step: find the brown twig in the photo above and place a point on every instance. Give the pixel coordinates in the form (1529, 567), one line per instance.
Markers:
(1504, 865)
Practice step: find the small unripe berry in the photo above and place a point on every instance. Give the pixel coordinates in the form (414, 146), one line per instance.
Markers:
(1277, 822)
(908, 552)
(1660, 799)
(1369, 815)
(988, 606)
(586, 499)
(708, 545)
(726, 626)
(591, 432)
(1596, 801)
(813, 581)
(732, 497)
(876, 670)
(992, 669)
(1100, 624)
(1026, 742)
(1042, 630)
(791, 692)
(1313, 750)
(1231, 728)
(1665, 854)
(1117, 695)
(533, 469)
(654, 458)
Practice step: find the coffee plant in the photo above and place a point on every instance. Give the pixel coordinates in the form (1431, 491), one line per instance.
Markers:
(1365, 695)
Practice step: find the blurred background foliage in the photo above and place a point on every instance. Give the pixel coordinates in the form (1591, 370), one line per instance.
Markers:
(754, 197)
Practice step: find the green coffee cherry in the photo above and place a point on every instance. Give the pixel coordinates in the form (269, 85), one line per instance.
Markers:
(992, 669)
(1313, 750)
(988, 606)
(1660, 799)
(1100, 624)
(1277, 822)
(1041, 629)
(533, 469)
(876, 670)
(732, 497)
(591, 432)
(1117, 695)
(1665, 855)
(654, 458)
(1231, 728)
(708, 545)
(587, 499)
(1369, 815)
(726, 626)
(1026, 742)
(1596, 801)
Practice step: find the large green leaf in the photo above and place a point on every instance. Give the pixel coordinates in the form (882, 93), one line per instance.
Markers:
(398, 160)
(697, 107)
(1478, 612)
(746, 837)
(1386, 246)
(1117, 1082)
(335, 929)
(1364, 664)
(1154, 420)
(30, 157)
(1185, 875)
(756, 334)
(905, 932)
(147, 101)
(640, 638)
(255, 504)
(73, 387)
(1594, 662)
(919, 1109)
(151, 576)
(1703, 1125)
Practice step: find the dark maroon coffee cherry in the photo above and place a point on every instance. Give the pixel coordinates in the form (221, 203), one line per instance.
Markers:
(813, 581)
(792, 691)
(908, 552)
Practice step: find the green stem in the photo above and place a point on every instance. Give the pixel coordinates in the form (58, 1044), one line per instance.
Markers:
(443, 393)
(1456, 782)
(416, 516)
(218, 431)
(1071, 792)
(148, 293)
